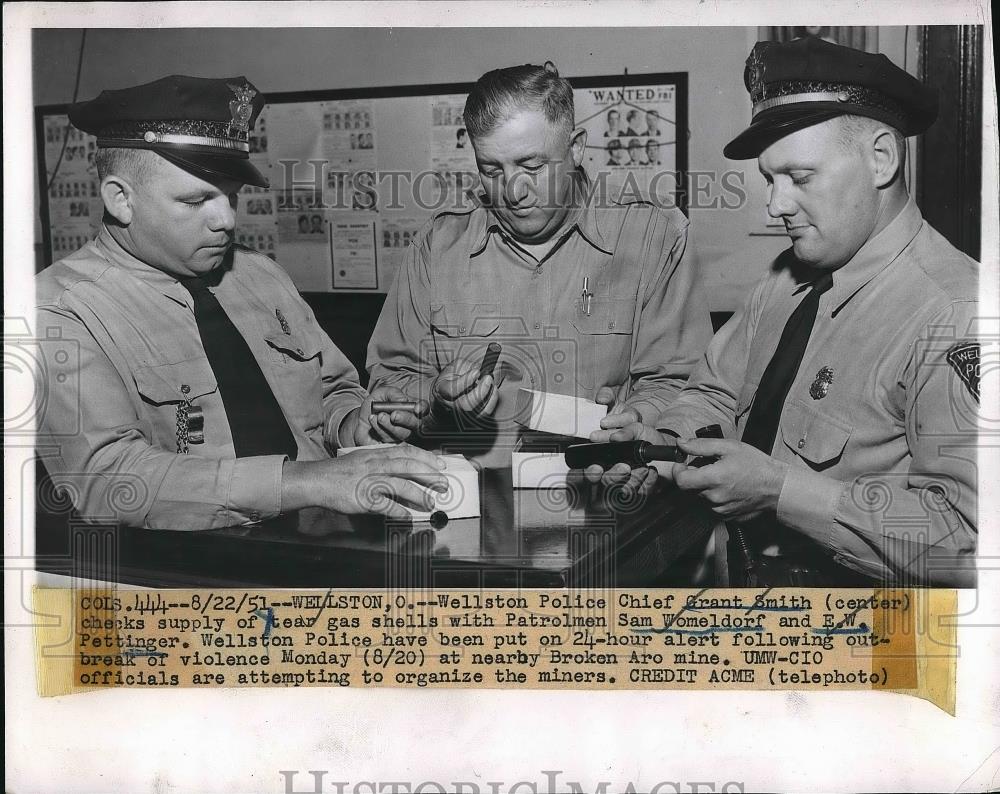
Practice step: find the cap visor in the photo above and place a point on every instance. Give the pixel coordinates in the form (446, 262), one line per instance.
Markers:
(213, 166)
(771, 126)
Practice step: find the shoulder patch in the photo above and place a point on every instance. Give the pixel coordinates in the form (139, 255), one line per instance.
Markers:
(964, 359)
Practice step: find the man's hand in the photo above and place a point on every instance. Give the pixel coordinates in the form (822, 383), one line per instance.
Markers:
(742, 483)
(620, 416)
(458, 389)
(370, 428)
(379, 480)
(622, 427)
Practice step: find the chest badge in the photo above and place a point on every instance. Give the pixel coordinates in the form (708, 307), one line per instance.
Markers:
(821, 385)
(282, 321)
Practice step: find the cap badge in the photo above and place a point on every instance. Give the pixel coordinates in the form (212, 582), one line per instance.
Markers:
(821, 386)
(755, 64)
(241, 108)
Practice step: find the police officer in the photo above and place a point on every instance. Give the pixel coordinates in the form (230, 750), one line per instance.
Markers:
(847, 386)
(204, 393)
(588, 296)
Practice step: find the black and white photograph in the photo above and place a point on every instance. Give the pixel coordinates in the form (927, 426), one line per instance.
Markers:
(691, 304)
(259, 205)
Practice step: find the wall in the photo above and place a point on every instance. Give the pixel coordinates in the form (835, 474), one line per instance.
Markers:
(318, 58)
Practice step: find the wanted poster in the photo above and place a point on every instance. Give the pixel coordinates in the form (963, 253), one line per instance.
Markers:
(396, 235)
(451, 155)
(350, 191)
(631, 137)
(258, 141)
(303, 232)
(353, 253)
(300, 215)
(75, 148)
(75, 206)
(257, 220)
(351, 154)
(348, 135)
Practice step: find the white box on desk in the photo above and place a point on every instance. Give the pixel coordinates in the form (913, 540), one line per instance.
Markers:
(461, 500)
(559, 414)
(538, 469)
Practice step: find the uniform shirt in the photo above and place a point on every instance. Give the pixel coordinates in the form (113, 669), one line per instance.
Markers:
(465, 283)
(878, 429)
(109, 432)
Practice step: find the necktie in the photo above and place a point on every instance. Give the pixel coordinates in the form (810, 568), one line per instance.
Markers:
(257, 423)
(762, 423)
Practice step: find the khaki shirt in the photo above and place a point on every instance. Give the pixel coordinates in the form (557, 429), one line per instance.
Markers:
(108, 430)
(465, 283)
(881, 445)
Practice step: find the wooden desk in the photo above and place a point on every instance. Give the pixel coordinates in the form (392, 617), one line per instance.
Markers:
(583, 536)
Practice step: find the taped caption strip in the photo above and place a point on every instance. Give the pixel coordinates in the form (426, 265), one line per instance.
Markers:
(806, 639)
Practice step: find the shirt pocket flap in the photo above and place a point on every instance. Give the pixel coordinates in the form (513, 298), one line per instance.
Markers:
(457, 319)
(607, 316)
(293, 345)
(182, 381)
(816, 437)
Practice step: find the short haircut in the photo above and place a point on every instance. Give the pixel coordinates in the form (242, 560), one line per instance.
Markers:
(854, 128)
(632, 114)
(613, 144)
(500, 94)
(613, 111)
(635, 143)
(131, 164)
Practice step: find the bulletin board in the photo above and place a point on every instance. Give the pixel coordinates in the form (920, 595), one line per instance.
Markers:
(355, 173)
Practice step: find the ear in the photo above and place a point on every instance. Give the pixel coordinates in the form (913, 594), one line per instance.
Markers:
(118, 194)
(578, 145)
(886, 157)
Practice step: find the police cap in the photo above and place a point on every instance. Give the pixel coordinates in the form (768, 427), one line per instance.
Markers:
(799, 83)
(200, 124)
